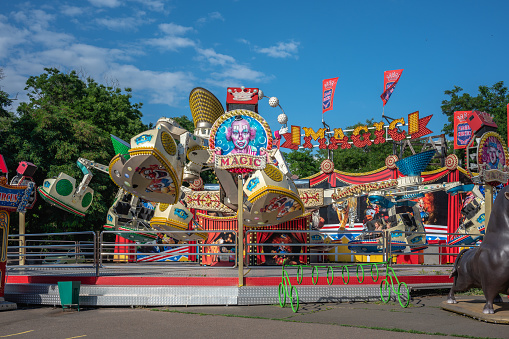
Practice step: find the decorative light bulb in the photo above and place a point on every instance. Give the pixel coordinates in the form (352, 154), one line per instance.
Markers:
(273, 102)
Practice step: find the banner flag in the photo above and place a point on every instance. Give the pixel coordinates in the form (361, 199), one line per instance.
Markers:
(391, 78)
(328, 89)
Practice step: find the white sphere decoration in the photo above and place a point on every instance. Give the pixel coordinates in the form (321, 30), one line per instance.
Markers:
(273, 102)
(282, 118)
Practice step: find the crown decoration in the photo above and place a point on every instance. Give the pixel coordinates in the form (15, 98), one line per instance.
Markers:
(205, 107)
(392, 76)
(242, 94)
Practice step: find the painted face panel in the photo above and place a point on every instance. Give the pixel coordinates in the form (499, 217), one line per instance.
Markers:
(240, 134)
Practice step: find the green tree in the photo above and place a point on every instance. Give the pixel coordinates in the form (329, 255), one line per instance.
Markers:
(5, 115)
(302, 162)
(67, 118)
(361, 160)
(492, 100)
(185, 123)
(5, 102)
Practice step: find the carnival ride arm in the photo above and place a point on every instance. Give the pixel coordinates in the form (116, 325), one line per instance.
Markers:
(85, 165)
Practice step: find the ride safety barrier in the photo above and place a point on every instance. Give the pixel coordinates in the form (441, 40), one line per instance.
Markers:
(219, 248)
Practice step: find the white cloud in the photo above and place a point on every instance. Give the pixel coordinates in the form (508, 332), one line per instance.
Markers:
(171, 43)
(105, 3)
(36, 20)
(281, 50)
(174, 29)
(163, 87)
(121, 24)
(39, 42)
(72, 10)
(9, 37)
(210, 17)
(52, 39)
(241, 72)
(154, 5)
(215, 58)
(227, 71)
(244, 41)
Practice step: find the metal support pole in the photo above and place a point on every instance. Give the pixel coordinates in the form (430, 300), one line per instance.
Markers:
(488, 204)
(22, 249)
(240, 236)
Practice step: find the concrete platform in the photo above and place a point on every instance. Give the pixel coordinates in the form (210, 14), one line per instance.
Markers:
(473, 308)
(7, 305)
(186, 285)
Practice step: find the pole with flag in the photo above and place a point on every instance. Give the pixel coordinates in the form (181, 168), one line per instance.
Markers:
(391, 78)
(328, 89)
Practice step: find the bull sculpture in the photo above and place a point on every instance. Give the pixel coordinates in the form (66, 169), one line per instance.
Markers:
(486, 266)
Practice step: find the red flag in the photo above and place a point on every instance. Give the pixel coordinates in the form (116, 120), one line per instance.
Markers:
(391, 78)
(329, 87)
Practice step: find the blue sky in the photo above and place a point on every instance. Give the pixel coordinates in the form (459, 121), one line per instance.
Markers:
(163, 49)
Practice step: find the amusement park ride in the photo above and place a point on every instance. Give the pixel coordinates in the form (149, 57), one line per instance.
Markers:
(240, 148)
(255, 182)
(160, 187)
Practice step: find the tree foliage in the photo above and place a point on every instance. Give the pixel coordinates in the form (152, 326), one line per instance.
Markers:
(185, 123)
(303, 163)
(67, 118)
(492, 100)
(5, 102)
(361, 160)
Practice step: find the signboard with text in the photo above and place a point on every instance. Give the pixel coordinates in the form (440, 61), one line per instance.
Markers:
(462, 131)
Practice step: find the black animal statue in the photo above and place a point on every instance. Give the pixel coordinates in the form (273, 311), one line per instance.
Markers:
(486, 266)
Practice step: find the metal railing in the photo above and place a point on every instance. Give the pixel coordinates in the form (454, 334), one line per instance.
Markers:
(87, 249)
(139, 253)
(43, 249)
(323, 250)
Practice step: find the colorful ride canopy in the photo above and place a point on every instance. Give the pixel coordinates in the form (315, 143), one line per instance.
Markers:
(153, 170)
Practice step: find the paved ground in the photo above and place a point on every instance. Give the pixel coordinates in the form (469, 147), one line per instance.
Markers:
(423, 318)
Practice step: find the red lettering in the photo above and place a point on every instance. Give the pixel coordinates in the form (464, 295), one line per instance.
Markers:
(307, 142)
(395, 135)
(323, 143)
(362, 140)
(379, 137)
(225, 162)
(333, 143)
(289, 142)
(344, 143)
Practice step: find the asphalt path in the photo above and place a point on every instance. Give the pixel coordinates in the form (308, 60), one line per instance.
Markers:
(424, 318)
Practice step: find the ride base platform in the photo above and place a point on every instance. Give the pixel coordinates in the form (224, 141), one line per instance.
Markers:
(473, 308)
(191, 285)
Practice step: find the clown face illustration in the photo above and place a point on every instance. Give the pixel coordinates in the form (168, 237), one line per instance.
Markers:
(153, 172)
(241, 133)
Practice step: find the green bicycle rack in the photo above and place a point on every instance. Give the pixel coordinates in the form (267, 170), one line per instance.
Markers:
(288, 292)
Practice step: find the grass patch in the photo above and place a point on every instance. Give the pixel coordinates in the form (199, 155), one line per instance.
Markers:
(472, 291)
